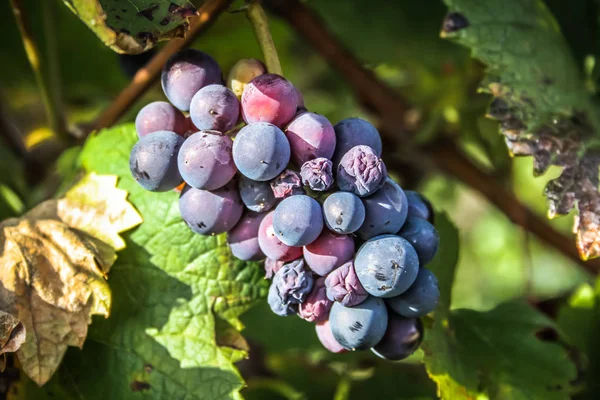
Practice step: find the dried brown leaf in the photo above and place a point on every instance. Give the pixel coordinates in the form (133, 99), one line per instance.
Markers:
(12, 336)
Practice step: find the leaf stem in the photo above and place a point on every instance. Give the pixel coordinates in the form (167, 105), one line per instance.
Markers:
(258, 18)
(51, 104)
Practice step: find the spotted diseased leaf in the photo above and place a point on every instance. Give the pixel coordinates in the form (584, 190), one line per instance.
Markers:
(134, 26)
(540, 100)
(12, 336)
(493, 354)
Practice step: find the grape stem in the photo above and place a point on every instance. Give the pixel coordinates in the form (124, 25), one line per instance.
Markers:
(258, 18)
(52, 106)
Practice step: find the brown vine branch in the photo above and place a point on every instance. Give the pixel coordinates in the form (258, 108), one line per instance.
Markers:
(147, 75)
(390, 108)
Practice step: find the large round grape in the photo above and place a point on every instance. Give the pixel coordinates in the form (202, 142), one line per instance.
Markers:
(423, 237)
(361, 171)
(214, 107)
(242, 73)
(352, 132)
(256, 196)
(159, 116)
(385, 211)
(420, 299)
(261, 151)
(311, 136)
(326, 338)
(328, 252)
(386, 265)
(419, 206)
(210, 212)
(359, 327)
(402, 338)
(298, 220)
(153, 161)
(272, 246)
(269, 98)
(185, 73)
(205, 160)
(344, 212)
(243, 238)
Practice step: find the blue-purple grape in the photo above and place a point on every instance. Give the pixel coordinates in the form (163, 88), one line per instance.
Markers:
(210, 212)
(269, 98)
(419, 206)
(243, 238)
(344, 212)
(257, 196)
(288, 183)
(423, 237)
(342, 285)
(294, 281)
(160, 116)
(261, 151)
(298, 220)
(385, 211)
(328, 252)
(316, 306)
(272, 246)
(311, 136)
(386, 265)
(153, 161)
(359, 327)
(420, 299)
(214, 107)
(402, 338)
(317, 174)
(278, 303)
(352, 132)
(205, 160)
(185, 73)
(361, 171)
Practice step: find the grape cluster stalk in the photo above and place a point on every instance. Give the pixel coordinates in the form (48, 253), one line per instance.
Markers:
(344, 245)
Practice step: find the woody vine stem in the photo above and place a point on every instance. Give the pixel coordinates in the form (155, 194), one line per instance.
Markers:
(258, 18)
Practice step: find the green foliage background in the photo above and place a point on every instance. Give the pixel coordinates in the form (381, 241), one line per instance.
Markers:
(180, 299)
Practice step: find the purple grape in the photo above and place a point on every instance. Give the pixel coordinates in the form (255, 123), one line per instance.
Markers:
(257, 196)
(344, 212)
(287, 184)
(420, 299)
(386, 265)
(279, 305)
(359, 327)
(328, 252)
(361, 171)
(214, 107)
(343, 286)
(205, 160)
(352, 132)
(326, 338)
(243, 238)
(298, 220)
(317, 174)
(423, 237)
(269, 98)
(419, 206)
(294, 282)
(153, 161)
(402, 338)
(159, 116)
(311, 136)
(316, 306)
(272, 246)
(271, 267)
(385, 211)
(261, 151)
(242, 73)
(185, 73)
(210, 212)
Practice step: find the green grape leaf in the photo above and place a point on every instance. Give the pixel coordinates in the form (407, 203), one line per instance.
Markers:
(540, 99)
(494, 353)
(133, 26)
(176, 301)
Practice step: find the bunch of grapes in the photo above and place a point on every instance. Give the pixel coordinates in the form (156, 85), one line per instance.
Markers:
(296, 191)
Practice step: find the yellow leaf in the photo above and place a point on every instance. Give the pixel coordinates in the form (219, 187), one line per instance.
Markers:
(12, 336)
(54, 263)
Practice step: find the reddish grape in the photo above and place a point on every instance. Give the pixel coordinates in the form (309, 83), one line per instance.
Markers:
(328, 252)
(273, 247)
(159, 116)
(269, 98)
(311, 136)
